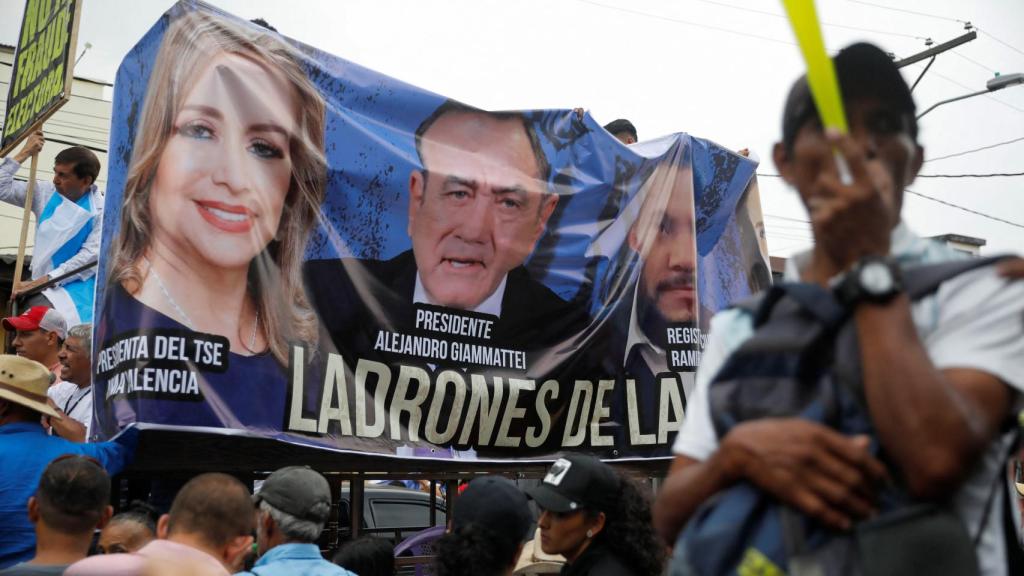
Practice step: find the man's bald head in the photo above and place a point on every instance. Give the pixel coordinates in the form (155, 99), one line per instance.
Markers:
(214, 507)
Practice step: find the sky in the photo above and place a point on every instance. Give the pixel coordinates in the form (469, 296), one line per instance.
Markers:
(717, 69)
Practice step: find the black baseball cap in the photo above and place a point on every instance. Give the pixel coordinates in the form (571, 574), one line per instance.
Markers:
(575, 482)
(495, 503)
(299, 491)
(863, 71)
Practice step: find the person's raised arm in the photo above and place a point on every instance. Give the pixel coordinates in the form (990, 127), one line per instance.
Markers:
(68, 428)
(933, 423)
(116, 454)
(1013, 268)
(12, 191)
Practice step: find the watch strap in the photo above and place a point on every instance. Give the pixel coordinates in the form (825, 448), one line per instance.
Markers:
(851, 290)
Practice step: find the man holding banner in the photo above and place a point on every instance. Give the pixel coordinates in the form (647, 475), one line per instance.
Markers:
(69, 214)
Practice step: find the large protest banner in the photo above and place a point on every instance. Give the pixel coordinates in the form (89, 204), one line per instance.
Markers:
(307, 250)
(41, 75)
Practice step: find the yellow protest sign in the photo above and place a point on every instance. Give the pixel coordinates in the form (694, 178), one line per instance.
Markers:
(41, 77)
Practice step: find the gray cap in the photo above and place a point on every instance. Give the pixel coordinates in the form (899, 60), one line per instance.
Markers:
(299, 491)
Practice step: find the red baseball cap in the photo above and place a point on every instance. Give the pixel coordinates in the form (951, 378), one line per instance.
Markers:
(38, 317)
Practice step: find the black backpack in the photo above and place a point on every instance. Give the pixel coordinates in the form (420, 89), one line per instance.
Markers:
(803, 360)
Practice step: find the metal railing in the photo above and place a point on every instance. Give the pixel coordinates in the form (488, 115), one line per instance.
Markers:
(49, 283)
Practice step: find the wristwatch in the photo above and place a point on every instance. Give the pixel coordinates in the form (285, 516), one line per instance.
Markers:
(873, 279)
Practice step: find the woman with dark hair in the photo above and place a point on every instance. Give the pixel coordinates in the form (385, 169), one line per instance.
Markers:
(129, 530)
(600, 521)
(486, 532)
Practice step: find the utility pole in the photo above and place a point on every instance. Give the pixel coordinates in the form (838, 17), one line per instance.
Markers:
(935, 51)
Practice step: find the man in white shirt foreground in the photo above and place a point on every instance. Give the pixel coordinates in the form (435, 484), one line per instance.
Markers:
(941, 375)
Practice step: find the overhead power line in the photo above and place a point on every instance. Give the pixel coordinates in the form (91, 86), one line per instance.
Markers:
(993, 175)
(975, 62)
(965, 209)
(790, 218)
(946, 18)
(973, 150)
(688, 22)
(832, 24)
(915, 12)
(990, 175)
(790, 43)
(1008, 45)
(794, 223)
(795, 232)
(738, 32)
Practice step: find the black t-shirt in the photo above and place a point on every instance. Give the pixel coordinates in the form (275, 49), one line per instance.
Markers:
(597, 560)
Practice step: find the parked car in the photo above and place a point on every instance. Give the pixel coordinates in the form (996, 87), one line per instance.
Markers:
(392, 512)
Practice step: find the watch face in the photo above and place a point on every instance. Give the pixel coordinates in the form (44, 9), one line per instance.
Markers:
(876, 278)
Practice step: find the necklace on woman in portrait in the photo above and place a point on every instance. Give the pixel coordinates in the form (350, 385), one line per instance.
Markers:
(188, 321)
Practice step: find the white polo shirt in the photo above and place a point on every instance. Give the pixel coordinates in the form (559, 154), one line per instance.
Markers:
(75, 402)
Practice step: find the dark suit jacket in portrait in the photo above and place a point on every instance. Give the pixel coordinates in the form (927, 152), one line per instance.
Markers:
(356, 298)
(604, 355)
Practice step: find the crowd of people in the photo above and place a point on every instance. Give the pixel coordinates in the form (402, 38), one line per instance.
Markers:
(592, 521)
(940, 373)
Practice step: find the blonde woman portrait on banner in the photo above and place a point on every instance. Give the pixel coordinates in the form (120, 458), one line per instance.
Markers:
(224, 186)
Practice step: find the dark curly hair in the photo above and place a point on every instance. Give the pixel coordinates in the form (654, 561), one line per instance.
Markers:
(474, 550)
(628, 532)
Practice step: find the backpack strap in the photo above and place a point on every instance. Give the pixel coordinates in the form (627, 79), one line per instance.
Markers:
(820, 302)
(814, 299)
(920, 281)
(1011, 532)
(1014, 547)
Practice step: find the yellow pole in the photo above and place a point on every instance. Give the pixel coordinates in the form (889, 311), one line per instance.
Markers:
(821, 74)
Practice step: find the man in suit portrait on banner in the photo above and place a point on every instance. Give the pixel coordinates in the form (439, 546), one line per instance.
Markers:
(476, 209)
